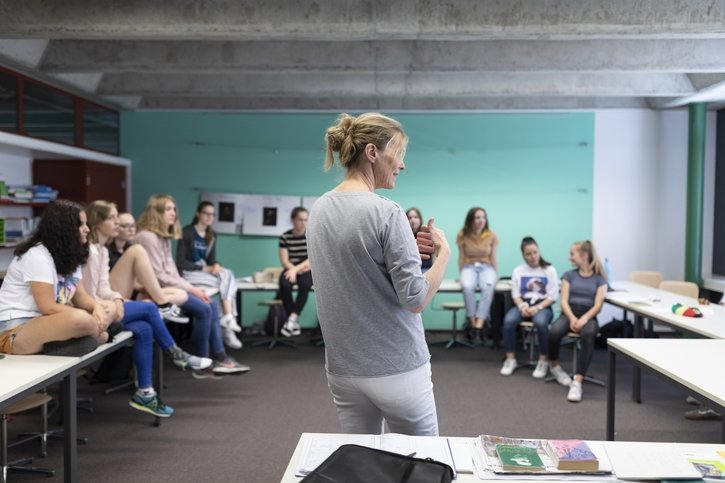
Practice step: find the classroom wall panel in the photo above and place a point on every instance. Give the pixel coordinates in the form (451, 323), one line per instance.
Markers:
(532, 172)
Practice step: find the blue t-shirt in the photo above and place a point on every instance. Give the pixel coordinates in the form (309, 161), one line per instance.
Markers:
(200, 247)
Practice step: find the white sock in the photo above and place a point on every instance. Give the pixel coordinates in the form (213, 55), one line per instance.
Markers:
(146, 392)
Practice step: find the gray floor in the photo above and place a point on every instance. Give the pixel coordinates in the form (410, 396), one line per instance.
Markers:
(245, 428)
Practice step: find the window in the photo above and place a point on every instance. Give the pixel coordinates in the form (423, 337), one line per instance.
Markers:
(8, 102)
(49, 113)
(100, 128)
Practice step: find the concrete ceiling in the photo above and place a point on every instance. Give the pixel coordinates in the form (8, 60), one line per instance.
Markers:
(373, 54)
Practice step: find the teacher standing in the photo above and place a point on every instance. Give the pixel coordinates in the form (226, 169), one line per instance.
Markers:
(369, 287)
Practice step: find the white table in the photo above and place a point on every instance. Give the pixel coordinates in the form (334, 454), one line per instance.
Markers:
(654, 304)
(289, 474)
(693, 364)
(23, 375)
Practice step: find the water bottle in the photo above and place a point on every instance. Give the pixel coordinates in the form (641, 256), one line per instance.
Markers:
(608, 270)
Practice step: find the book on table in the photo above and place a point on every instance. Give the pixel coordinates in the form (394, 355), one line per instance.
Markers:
(572, 454)
(519, 458)
(492, 454)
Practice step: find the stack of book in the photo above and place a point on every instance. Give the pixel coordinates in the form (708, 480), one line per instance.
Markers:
(504, 455)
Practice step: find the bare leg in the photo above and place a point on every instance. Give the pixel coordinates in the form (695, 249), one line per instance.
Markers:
(61, 326)
(174, 295)
(134, 265)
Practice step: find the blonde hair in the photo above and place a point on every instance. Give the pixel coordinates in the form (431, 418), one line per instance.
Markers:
(349, 136)
(97, 212)
(595, 264)
(152, 218)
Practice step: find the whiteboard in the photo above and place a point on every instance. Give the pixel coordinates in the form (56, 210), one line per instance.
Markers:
(268, 214)
(229, 211)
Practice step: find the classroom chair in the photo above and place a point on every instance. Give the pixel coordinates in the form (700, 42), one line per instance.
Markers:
(651, 279)
(688, 289)
(454, 307)
(33, 401)
(529, 341)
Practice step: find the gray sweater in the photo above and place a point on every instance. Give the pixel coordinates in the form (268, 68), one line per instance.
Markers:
(367, 279)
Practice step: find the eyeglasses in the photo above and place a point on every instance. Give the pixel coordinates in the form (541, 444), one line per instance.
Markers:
(207, 213)
(126, 226)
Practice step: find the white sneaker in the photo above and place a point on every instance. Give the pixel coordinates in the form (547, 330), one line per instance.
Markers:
(508, 367)
(575, 392)
(172, 313)
(230, 339)
(561, 376)
(542, 367)
(296, 329)
(230, 322)
(286, 329)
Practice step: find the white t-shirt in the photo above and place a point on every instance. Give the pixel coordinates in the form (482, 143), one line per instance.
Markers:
(36, 265)
(534, 284)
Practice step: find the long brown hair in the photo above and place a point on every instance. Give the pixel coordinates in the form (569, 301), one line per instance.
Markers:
(152, 218)
(97, 212)
(468, 224)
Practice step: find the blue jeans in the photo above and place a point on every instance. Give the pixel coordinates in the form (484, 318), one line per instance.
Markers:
(144, 321)
(473, 276)
(207, 331)
(541, 321)
(405, 401)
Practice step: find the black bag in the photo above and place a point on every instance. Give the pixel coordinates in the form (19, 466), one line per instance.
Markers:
(278, 312)
(115, 367)
(616, 328)
(351, 463)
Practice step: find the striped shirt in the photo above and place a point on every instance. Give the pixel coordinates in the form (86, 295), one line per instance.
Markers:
(296, 246)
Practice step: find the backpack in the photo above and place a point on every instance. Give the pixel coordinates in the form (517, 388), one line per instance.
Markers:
(616, 328)
(115, 367)
(281, 315)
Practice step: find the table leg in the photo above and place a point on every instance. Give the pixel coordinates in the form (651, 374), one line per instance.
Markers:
(70, 426)
(612, 366)
(239, 308)
(636, 370)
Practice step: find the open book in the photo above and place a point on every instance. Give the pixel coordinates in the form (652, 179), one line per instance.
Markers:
(319, 446)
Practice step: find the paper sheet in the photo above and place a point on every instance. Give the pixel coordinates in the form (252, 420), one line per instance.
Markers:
(644, 461)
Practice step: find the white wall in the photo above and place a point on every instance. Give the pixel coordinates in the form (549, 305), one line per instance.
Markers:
(640, 192)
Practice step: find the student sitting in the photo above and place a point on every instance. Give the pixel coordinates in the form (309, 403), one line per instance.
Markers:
(133, 277)
(582, 296)
(293, 256)
(159, 224)
(41, 283)
(141, 318)
(534, 289)
(415, 219)
(196, 259)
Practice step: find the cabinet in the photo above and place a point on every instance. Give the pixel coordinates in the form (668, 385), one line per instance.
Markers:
(83, 181)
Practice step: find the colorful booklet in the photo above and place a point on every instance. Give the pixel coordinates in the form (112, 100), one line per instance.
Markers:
(572, 454)
(519, 458)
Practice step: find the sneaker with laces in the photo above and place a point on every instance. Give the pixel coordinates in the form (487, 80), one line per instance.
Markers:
(692, 400)
(230, 322)
(542, 367)
(703, 414)
(207, 373)
(296, 328)
(151, 405)
(230, 339)
(509, 365)
(172, 313)
(183, 360)
(575, 392)
(287, 329)
(560, 375)
(230, 366)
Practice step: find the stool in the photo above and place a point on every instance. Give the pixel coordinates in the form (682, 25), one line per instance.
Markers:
(576, 340)
(33, 401)
(271, 343)
(529, 341)
(454, 307)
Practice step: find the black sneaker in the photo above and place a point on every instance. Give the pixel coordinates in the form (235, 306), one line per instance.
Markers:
(113, 329)
(71, 347)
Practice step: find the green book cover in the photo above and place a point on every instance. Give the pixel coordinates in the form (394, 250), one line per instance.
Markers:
(519, 458)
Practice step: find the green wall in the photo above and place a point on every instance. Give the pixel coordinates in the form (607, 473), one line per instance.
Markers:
(532, 172)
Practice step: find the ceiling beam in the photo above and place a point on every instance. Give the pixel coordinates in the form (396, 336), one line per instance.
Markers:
(361, 19)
